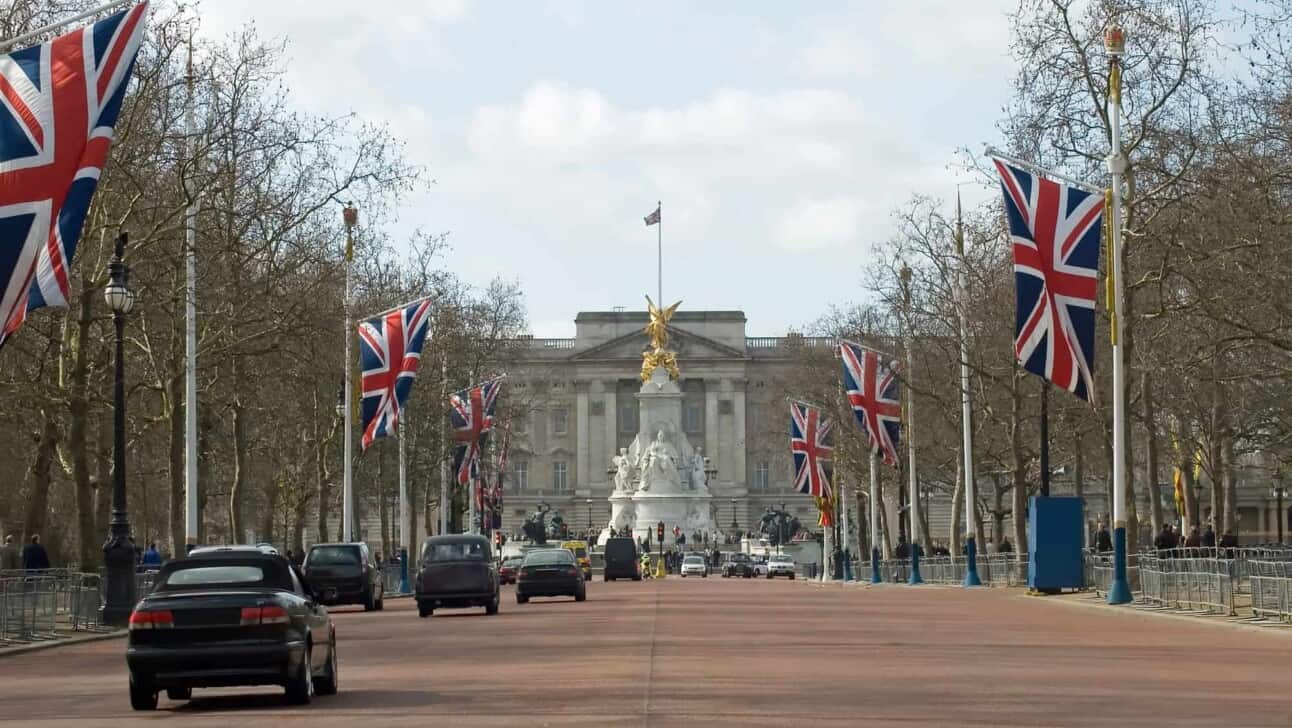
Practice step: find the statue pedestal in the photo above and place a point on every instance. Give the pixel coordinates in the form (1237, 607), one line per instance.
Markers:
(689, 512)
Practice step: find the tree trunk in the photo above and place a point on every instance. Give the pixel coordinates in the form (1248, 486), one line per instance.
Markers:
(957, 511)
(273, 495)
(1191, 515)
(998, 512)
(38, 496)
(103, 476)
(1018, 507)
(90, 547)
(236, 524)
(1150, 453)
(1230, 485)
(177, 466)
(1079, 482)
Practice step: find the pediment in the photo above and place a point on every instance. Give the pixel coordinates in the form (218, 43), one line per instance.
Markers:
(688, 345)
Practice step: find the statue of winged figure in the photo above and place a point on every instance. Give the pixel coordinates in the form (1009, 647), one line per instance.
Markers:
(657, 330)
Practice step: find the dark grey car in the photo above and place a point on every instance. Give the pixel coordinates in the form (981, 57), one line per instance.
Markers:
(456, 571)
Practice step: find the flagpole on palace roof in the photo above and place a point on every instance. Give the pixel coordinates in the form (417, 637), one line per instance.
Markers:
(659, 250)
(192, 529)
(966, 405)
(1115, 45)
(39, 32)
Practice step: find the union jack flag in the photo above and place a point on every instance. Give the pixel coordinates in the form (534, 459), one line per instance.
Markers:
(471, 414)
(390, 348)
(59, 102)
(808, 434)
(871, 385)
(1056, 232)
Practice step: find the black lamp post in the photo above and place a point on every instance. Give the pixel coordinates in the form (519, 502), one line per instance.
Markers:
(119, 549)
(589, 502)
(780, 528)
(734, 526)
(1280, 492)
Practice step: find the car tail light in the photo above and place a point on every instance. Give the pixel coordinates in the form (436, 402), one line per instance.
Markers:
(574, 571)
(252, 616)
(151, 619)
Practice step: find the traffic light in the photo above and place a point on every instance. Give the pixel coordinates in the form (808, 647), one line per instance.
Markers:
(499, 538)
(659, 532)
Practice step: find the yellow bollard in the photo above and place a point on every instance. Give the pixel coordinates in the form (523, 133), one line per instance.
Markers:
(659, 568)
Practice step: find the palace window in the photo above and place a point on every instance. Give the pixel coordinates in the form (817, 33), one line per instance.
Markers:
(762, 475)
(558, 476)
(693, 418)
(521, 475)
(560, 423)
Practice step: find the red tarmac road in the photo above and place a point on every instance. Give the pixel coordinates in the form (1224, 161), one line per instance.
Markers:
(705, 652)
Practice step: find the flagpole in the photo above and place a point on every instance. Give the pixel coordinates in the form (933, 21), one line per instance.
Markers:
(351, 217)
(875, 578)
(32, 35)
(1045, 438)
(913, 486)
(1115, 45)
(966, 407)
(405, 533)
(659, 250)
(444, 462)
(191, 525)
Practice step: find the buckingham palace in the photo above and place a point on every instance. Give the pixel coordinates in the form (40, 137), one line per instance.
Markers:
(579, 407)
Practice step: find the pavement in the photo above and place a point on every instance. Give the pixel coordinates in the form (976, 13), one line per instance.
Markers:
(726, 652)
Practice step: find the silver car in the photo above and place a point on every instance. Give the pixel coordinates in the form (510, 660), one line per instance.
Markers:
(780, 565)
(695, 566)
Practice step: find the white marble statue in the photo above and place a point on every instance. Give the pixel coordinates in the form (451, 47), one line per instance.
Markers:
(659, 466)
(625, 518)
(697, 472)
(623, 471)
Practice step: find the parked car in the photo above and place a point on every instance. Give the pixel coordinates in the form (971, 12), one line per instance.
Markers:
(345, 573)
(229, 618)
(550, 573)
(738, 565)
(780, 565)
(507, 571)
(694, 565)
(760, 566)
(456, 571)
(580, 551)
(621, 560)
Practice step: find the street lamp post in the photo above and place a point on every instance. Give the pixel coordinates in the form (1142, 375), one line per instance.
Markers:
(1280, 492)
(119, 549)
(780, 529)
(588, 501)
(734, 525)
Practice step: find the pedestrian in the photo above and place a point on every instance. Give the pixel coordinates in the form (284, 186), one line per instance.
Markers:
(1165, 540)
(1103, 540)
(152, 557)
(34, 557)
(1195, 538)
(1006, 547)
(1228, 540)
(1209, 537)
(9, 558)
(903, 548)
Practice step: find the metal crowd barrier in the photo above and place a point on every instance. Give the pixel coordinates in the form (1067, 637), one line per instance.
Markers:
(45, 605)
(1199, 582)
(1008, 569)
(390, 578)
(1271, 585)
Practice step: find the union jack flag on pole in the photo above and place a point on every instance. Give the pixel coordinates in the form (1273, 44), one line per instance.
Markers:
(390, 348)
(870, 381)
(1055, 228)
(809, 432)
(471, 412)
(59, 102)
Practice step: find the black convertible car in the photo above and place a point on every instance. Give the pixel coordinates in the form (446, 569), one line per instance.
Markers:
(234, 616)
(457, 571)
(550, 573)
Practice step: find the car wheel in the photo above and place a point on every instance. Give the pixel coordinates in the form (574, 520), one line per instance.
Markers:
(492, 607)
(637, 578)
(369, 603)
(769, 575)
(424, 611)
(301, 687)
(791, 577)
(179, 693)
(581, 595)
(521, 598)
(705, 575)
(608, 578)
(684, 576)
(143, 696)
(327, 683)
(381, 601)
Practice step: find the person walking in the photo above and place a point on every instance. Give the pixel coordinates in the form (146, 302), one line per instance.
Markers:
(152, 557)
(9, 557)
(1103, 539)
(1209, 537)
(34, 556)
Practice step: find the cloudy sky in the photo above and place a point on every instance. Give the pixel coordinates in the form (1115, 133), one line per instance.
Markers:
(780, 136)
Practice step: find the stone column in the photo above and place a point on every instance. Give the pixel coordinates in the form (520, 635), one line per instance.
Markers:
(711, 425)
(1264, 510)
(611, 423)
(739, 407)
(582, 473)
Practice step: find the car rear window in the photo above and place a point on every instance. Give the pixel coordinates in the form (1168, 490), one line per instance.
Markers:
(694, 560)
(333, 556)
(453, 552)
(215, 575)
(539, 558)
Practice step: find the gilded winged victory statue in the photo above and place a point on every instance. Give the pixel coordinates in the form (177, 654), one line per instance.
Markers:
(657, 330)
